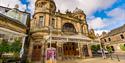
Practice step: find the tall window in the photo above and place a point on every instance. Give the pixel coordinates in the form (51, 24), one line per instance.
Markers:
(41, 21)
(105, 40)
(53, 22)
(122, 37)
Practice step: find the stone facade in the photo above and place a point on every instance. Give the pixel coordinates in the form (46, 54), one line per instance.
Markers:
(11, 29)
(115, 37)
(46, 21)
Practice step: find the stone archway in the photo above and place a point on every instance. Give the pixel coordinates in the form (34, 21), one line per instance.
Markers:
(69, 28)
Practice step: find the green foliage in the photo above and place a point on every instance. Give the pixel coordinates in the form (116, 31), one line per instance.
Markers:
(4, 47)
(15, 46)
(109, 49)
(7, 47)
(95, 48)
(122, 47)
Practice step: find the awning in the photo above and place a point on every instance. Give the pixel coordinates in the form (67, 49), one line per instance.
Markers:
(73, 38)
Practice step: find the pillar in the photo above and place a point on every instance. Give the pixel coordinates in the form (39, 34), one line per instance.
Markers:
(80, 50)
(30, 51)
(22, 48)
(60, 50)
(89, 50)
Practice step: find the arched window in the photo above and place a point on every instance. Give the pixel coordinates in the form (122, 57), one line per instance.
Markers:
(68, 27)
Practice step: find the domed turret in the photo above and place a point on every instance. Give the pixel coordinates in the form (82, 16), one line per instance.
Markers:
(79, 14)
(77, 10)
(45, 6)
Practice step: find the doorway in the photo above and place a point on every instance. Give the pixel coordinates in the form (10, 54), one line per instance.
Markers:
(70, 49)
(36, 53)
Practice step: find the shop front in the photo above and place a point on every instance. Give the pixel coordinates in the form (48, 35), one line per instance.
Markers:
(70, 46)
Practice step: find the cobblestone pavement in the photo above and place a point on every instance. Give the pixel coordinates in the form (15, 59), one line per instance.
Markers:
(92, 60)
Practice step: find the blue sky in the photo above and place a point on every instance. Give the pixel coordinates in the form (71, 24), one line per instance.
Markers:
(102, 15)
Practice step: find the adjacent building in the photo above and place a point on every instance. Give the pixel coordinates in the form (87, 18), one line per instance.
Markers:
(67, 32)
(14, 24)
(115, 38)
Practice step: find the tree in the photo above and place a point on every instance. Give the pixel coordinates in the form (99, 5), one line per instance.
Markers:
(109, 49)
(122, 47)
(95, 48)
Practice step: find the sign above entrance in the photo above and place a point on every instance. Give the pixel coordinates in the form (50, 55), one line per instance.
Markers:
(70, 39)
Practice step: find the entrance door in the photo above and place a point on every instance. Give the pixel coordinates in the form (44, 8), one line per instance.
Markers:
(36, 53)
(85, 50)
(70, 49)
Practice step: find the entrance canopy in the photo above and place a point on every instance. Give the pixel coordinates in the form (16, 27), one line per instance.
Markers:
(73, 38)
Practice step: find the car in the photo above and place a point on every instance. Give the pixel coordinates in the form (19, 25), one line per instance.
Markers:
(105, 51)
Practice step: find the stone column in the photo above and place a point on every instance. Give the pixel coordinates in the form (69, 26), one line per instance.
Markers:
(59, 52)
(80, 50)
(89, 50)
(22, 48)
(62, 51)
(30, 51)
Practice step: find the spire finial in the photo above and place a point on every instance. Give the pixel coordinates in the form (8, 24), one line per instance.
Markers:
(16, 6)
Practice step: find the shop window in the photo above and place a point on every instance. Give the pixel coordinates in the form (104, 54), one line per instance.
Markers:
(34, 47)
(2, 35)
(122, 37)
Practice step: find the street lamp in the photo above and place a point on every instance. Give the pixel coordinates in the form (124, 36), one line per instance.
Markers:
(50, 36)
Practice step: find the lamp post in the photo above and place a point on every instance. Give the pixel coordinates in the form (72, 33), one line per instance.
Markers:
(50, 36)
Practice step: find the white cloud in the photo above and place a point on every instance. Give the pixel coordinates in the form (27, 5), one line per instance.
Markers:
(31, 6)
(89, 6)
(117, 19)
(117, 14)
(100, 31)
(12, 3)
(97, 23)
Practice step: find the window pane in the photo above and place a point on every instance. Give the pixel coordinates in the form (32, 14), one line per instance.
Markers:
(41, 20)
